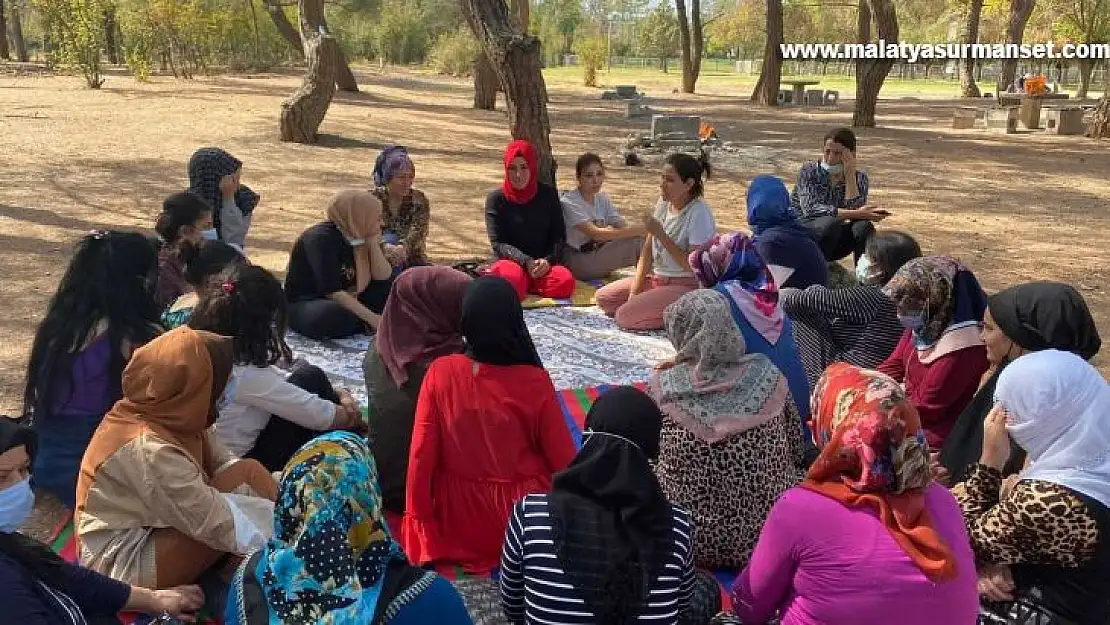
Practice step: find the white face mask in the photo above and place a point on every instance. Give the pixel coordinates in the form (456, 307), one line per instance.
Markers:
(210, 234)
(16, 502)
(863, 270)
(356, 242)
(832, 169)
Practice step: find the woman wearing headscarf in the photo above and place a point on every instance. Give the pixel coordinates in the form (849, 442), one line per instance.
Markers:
(868, 535)
(41, 588)
(421, 322)
(524, 221)
(730, 444)
(730, 265)
(214, 177)
(332, 558)
(159, 500)
(780, 237)
(1045, 538)
(338, 278)
(604, 547)
(488, 431)
(405, 210)
(1024, 318)
(941, 358)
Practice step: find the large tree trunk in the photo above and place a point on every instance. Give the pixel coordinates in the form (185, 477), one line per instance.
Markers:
(870, 73)
(15, 22)
(968, 88)
(303, 112)
(285, 28)
(1099, 125)
(767, 88)
(1086, 67)
(517, 59)
(692, 42)
(486, 84)
(111, 39)
(4, 52)
(344, 78)
(1020, 10)
(520, 9)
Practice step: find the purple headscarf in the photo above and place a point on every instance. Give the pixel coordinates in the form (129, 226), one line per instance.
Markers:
(391, 159)
(731, 264)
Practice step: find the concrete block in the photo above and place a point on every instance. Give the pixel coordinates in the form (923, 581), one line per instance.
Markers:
(965, 117)
(675, 126)
(1030, 113)
(627, 92)
(635, 109)
(1002, 119)
(815, 97)
(1065, 120)
(784, 96)
(832, 97)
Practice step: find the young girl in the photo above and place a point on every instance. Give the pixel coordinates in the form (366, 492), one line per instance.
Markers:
(681, 221)
(211, 258)
(103, 310)
(264, 415)
(185, 221)
(214, 177)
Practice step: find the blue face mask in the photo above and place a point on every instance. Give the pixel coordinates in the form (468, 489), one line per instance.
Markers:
(210, 234)
(912, 322)
(863, 270)
(15, 506)
(832, 169)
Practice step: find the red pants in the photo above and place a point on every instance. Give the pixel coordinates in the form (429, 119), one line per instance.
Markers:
(558, 283)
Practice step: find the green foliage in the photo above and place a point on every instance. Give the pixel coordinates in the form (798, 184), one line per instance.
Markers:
(77, 29)
(658, 33)
(592, 53)
(401, 36)
(455, 53)
(556, 23)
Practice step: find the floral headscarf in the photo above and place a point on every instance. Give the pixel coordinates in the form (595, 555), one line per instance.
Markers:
(874, 453)
(714, 389)
(327, 560)
(731, 265)
(948, 295)
(391, 159)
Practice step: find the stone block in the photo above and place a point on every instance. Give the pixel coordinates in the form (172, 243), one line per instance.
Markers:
(627, 92)
(635, 109)
(1002, 119)
(963, 118)
(832, 97)
(815, 97)
(1030, 113)
(1065, 120)
(785, 95)
(675, 126)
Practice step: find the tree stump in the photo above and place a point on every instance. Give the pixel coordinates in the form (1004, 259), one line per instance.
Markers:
(303, 112)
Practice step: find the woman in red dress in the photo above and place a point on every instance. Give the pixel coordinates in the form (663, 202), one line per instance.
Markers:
(488, 432)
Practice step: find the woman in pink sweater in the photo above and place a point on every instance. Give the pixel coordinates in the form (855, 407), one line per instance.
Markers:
(868, 537)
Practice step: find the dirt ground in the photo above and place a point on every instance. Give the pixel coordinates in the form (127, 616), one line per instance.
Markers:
(1014, 208)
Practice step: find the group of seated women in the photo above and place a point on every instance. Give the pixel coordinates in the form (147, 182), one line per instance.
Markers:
(165, 407)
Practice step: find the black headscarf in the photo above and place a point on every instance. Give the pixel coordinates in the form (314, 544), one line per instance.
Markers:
(43, 564)
(1035, 316)
(206, 168)
(612, 523)
(493, 324)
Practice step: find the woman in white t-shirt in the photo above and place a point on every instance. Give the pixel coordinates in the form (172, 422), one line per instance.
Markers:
(680, 222)
(599, 240)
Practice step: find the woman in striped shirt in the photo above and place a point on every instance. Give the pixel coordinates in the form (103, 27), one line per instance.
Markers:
(604, 547)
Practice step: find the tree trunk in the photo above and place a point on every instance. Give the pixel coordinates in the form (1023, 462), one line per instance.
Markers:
(5, 53)
(688, 80)
(15, 23)
(1099, 126)
(486, 84)
(767, 88)
(871, 73)
(1086, 67)
(111, 40)
(303, 112)
(520, 9)
(312, 20)
(285, 28)
(344, 77)
(516, 59)
(968, 88)
(1020, 10)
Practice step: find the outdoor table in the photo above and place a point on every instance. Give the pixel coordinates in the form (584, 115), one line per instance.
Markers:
(800, 89)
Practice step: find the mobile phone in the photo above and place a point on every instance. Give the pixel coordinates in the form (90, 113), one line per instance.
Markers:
(881, 211)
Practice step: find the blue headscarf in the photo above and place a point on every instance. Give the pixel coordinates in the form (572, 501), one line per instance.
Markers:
(769, 207)
(780, 237)
(327, 560)
(391, 159)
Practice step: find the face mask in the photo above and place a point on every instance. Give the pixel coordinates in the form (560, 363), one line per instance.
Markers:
(356, 242)
(912, 322)
(863, 269)
(210, 234)
(832, 169)
(15, 506)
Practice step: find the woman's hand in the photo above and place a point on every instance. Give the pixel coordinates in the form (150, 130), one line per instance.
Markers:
(181, 603)
(940, 472)
(848, 159)
(996, 441)
(539, 268)
(397, 254)
(228, 186)
(996, 582)
(652, 225)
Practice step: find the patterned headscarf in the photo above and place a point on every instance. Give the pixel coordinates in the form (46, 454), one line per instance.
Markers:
(714, 389)
(390, 160)
(951, 299)
(874, 453)
(327, 560)
(206, 168)
(731, 264)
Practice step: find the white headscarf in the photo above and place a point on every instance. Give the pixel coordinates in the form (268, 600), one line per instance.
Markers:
(1059, 412)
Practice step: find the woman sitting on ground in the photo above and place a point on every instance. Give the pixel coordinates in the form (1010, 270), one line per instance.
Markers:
(605, 545)
(941, 358)
(1024, 318)
(185, 222)
(524, 221)
(212, 258)
(159, 501)
(830, 196)
(421, 322)
(332, 558)
(857, 325)
(102, 311)
(1046, 536)
(868, 534)
(338, 278)
(681, 221)
(780, 237)
(728, 422)
(214, 177)
(488, 431)
(266, 415)
(599, 240)
(42, 589)
(731, 266)
(405, 210)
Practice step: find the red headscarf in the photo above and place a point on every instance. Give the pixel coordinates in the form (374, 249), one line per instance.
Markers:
(422, 318)
(873, 453)
(527, 151)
